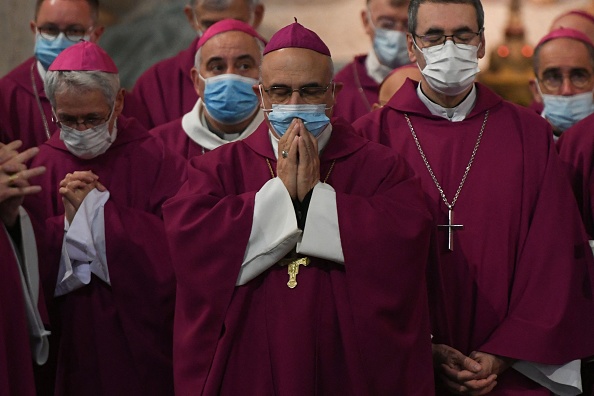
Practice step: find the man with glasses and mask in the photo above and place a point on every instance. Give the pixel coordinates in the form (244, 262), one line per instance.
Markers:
(511, 280)
(300, 251)
(385, 22)
(165, 92)
(227, 67)
(58, 24)
(564, 69)
(107, 268)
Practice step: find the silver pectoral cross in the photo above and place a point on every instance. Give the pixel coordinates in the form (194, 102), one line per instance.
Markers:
(451, 228)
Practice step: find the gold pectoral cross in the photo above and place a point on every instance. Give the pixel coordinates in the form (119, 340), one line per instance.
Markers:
(293, 269)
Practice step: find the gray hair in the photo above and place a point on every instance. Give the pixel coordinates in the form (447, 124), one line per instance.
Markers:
(57, 82)
(413, 10)
(198, 56)
(536, 55)
(219, 5)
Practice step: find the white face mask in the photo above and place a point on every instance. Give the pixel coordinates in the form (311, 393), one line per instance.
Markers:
(89, 143)
(450, 68)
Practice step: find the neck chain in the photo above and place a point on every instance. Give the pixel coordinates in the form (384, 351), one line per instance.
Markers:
(34, 86)
(450, 227)
(360, 87)
(272, 175)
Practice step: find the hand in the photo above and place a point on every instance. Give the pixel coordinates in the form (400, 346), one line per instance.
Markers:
(14, 180)
(308, 170)
(462, 374)
(286, 168)
(74, 189)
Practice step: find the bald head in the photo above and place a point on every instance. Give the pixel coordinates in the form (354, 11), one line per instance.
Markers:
(93, 6)
(202, 14)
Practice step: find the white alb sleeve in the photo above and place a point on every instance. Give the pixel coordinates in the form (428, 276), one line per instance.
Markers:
(274, 231)
(321, 235)
(83, 248)
(562, 380)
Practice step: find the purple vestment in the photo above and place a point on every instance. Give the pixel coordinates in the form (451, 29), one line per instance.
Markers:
(20, 116)
(351, 103)
(177, 140)
(518, 282)
(355, 329)
(16, 364)
(165, 92)
(116, 340)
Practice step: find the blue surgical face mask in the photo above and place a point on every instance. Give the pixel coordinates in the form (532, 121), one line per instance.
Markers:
(390, 47)
(314, 117)
(564, 111)
(47, 50)
(229, 98)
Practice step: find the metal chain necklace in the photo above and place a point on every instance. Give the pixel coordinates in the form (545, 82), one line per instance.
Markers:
(450, 226)
(39, 106)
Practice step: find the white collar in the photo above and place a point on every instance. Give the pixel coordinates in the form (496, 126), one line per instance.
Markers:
(41, 70)
(322, 140)
(195, 126)
(375, 69)
(454, 114)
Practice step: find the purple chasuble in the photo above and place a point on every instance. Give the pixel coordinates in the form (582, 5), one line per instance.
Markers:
(359, 91)
(518, 282)
(115, 340)
(177, 140)
(165, 91)
(355, 329)
(16, 364)
(20, 117)
(576, 150)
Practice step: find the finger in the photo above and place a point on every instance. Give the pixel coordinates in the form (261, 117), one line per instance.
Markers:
(453, 386)
(481, 384)
(9, 150)
(22, 191)
(100, 186)
(26, 174)
(458, 375)
(12, 167)
(284, 142)
(76, 185)
(471, 365)
(25, 156)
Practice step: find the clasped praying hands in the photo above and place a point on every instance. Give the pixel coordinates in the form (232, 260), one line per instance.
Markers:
(74, 189)
(300, 169)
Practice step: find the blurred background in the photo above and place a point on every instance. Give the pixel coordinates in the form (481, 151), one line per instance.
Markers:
(139, 33)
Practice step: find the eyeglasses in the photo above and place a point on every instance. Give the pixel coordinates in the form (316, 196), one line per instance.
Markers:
(73, 33)
(552, 80)
(310, 94)
(433, 39)
(88, 122)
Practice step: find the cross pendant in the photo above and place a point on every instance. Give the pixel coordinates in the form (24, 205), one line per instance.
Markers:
(451, 228)
(293, 269)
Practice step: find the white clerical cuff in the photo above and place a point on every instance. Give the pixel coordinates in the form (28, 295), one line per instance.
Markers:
(83, 248)
(274, 230)
(563, 380)
(321, 235)
(591, 242)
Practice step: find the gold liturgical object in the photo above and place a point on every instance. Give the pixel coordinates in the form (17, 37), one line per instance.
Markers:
(510, 63)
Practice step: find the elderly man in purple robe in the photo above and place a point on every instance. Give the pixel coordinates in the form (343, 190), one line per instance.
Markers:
(300, 251)
(26, 113)
(107, 267)
(166, 91)
(511, 280)
(227, 66)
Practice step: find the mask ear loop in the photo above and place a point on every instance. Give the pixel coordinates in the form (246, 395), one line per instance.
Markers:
(333, 96)
(264, 109)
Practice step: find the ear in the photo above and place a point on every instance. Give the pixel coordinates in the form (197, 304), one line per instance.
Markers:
(194, 75)
(481, 51)
(410, 45)
(366, 23)
(96, 34)
(258, 15)
(534, 91)
(256, 88)
(190, 16)
(119, 103)
(33, 26)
